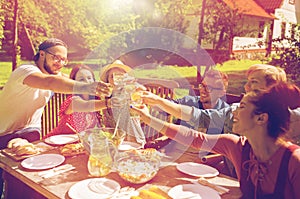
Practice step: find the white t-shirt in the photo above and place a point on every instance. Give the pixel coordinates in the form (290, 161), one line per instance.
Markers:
(21, 106)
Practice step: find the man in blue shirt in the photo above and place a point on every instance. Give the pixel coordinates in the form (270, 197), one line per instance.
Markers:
(212, 90)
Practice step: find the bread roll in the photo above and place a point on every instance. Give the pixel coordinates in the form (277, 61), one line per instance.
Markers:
(15, 141)
(26, 150)
(72, 148)
(19, 143)
(21, 147)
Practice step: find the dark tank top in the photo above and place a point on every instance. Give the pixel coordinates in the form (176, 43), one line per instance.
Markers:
(247, 186)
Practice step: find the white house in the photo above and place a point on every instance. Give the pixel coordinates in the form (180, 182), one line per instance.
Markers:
(265, 20)
(282, 26)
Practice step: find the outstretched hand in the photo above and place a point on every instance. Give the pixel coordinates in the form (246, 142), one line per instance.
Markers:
(102, 88)
(141, 110)
(150, 98)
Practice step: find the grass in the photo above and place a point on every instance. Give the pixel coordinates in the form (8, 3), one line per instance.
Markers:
(185, 75)
(5, 71)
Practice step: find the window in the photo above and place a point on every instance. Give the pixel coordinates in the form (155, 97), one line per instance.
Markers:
(261, 29)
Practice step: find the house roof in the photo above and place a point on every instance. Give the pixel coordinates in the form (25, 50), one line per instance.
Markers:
(270, 5)
(249, 7)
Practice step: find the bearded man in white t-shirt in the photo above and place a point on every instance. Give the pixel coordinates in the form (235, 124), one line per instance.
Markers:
(29, 89)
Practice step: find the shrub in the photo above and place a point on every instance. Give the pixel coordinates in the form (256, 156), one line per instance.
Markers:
(288, 57)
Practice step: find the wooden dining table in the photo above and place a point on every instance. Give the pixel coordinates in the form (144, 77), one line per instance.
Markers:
(57, 186)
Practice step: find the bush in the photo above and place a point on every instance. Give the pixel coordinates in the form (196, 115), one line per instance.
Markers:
(288, 57)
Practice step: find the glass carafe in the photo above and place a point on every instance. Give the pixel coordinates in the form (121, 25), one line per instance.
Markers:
(102, 153)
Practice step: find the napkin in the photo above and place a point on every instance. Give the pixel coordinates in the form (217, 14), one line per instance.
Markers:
(55, 171)
(221, 190)
(182, 194)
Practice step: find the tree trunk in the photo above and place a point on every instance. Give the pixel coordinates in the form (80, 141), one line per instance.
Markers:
(269, 40)
(15, 36)
(200, 35)
(220, 40)
(30, 50)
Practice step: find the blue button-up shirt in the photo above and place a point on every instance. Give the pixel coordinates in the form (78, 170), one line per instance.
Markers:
(211, 119)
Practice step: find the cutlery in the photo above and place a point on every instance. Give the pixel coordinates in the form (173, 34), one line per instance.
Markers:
(220, 189)
(55, 171)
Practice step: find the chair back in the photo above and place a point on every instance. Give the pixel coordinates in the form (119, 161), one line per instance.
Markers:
(50, 115)
(165, 89)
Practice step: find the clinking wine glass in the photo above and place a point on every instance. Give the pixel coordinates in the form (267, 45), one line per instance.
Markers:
(135, 100)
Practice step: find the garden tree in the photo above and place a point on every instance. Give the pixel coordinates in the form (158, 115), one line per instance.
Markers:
(287, 56)
(69, 21)
(35, 20)
(85, 25)
(80, 24)
(1, 22)
(161, 14)
(15, 34)
(122, 19)
(24, 25)
(171, 14)
(222, 24)
(112, 18)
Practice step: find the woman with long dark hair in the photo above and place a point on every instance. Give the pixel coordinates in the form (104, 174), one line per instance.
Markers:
(79, 111)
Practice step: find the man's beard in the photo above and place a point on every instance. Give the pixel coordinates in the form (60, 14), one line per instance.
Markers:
(47, 68)
(206, 103)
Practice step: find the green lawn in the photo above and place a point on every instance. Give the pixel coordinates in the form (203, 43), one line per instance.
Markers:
(235, 70)
(5, 71)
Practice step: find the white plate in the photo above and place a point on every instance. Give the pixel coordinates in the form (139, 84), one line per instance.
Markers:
(93, 188)
(44, 161)
(198, 170)
(125, 145)
(193, 191)
(62, 139)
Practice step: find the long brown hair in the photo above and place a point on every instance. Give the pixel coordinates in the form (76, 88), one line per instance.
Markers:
(73, 73)
(77, 67)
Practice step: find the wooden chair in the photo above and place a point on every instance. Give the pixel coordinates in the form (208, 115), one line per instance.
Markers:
(165, 89)
(50, 115)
